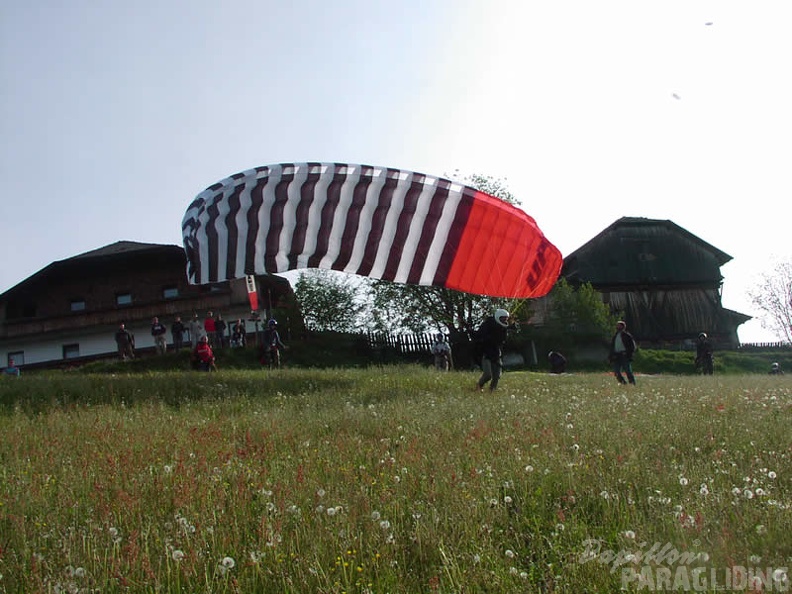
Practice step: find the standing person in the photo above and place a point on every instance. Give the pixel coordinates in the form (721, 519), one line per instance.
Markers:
(271, 346)
(238, 334)
(557, 362)
(220, 330)
(491, 336)
(704, 358)
(12, 369)
(210, 329)
(621, 353)
(196, 331)
(158, 331)
(204, 356)
(177, 331)
(442, 353)
(125, 341)
(775, 369)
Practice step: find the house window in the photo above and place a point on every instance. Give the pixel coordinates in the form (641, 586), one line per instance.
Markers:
(71, 351)
(78, 304)
(170, 292)
(18, 357)
(124, 299)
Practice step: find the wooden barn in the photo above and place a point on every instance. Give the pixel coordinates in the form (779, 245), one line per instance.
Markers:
(71, 309)
(661, 279)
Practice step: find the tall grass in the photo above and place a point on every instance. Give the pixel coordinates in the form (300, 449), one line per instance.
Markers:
(385, 480)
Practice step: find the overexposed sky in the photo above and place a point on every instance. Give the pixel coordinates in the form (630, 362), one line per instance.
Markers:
(114, 115)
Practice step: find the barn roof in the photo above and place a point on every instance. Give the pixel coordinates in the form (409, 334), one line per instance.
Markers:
(641, 251)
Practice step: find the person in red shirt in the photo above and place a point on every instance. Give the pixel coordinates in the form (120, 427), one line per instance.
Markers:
(203, 355)
(210, 328)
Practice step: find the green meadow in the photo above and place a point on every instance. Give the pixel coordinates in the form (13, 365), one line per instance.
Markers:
(393, 479)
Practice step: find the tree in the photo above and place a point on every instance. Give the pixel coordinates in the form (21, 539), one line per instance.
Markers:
(773, 296)
(578, 312)
(331, 300)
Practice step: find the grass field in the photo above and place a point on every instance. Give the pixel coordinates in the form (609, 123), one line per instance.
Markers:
(393, 479)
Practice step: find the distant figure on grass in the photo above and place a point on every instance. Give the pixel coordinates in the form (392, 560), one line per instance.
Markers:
(557, 362)
(704, 358)
(441, 353)
(158, 331)
(621, 353)
(125, 341)
(12, 369)
(271, 345)
(203, 356)
(489, 340)
(177, 331)
(775, 369)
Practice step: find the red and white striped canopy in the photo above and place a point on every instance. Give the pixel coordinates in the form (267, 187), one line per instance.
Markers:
(378, 222)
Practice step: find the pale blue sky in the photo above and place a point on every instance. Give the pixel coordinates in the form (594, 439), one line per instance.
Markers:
(116, 114)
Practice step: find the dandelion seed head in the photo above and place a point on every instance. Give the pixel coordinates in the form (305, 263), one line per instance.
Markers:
(177, 554)
(509, 554)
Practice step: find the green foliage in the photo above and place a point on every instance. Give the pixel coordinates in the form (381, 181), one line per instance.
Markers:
(331, 300)
(394, 479)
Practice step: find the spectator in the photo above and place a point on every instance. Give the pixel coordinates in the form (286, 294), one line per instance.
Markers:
(196, 331)
(442, 354)
(557, 362)
(238, 334)
(210, 329)
(177, 331)
(125, 341)
(621, 353)
(12, 369)
(158, 331)
(203, 356)
(220, 331)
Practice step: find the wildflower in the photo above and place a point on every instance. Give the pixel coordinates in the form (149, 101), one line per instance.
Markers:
(629, 534)
(509, 553)
(384, 524)
(320, 493)
(605, 495)
(771, 475)
(760, 529)
(760, 492)
(375, 516)
(575, 447)
(331, 511)
(781, 578)
(507, 500)
(529, 468)
(228, 562)
(704, 490)
(683, 481)
(748, 494)
(177, 554)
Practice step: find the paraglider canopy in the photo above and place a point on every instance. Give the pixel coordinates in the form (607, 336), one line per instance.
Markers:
(378, 222)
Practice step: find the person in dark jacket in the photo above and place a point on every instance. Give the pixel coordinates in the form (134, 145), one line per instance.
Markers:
(490, 338)
(557, 362)
(704, 357)
(177, 330)
(621, 353)
(126, 343)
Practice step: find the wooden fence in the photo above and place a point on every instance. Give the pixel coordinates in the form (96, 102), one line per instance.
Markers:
(403, 343)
